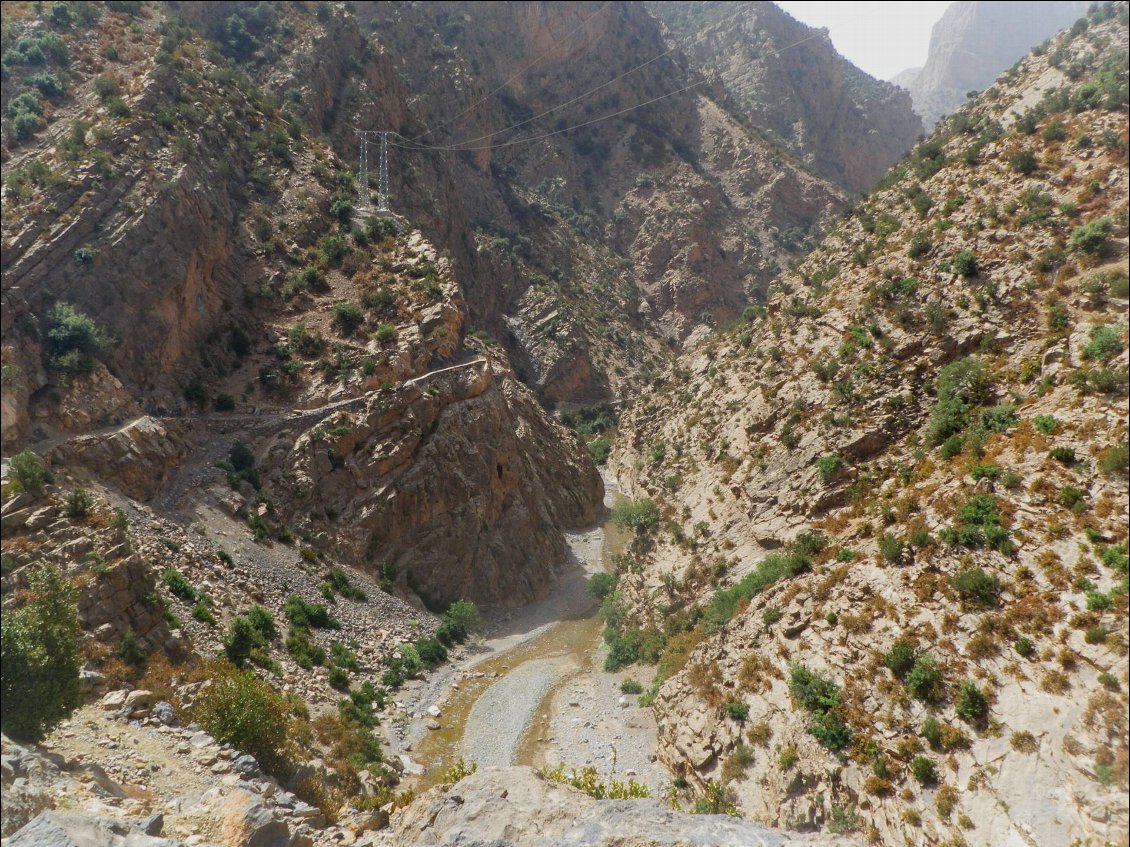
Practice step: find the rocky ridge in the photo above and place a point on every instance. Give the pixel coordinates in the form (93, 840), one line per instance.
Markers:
(803, 463)
(787, 80)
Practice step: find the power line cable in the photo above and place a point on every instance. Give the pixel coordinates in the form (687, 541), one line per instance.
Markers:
(585, 123)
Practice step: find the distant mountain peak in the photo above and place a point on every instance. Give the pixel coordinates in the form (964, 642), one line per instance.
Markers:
(973, 42)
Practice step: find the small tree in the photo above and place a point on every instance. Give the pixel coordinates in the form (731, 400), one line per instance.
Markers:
(925, 681)
(965, 263)
(347, 317)
(971, 703)
(239, 709)
(29, 471)
(601, 584)
(41, 658)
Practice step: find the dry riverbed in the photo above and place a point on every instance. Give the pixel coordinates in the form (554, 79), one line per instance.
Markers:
(533, 691)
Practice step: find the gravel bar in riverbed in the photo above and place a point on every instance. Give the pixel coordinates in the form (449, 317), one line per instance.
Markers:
(499, 718)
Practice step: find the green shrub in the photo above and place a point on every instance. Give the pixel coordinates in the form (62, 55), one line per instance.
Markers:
(342, 210)
(601, 584)
(77, 503)
(239, 640)
(240, 710)
(465, 615)
(774, 567)
(737, 711)
(1023, 161)
(829, 467)
(830, 731)
(338, 678)
(333, 249)
(965, 263)
(900, 658)
(1096, 634)
(27, 102)
(308, 615)
(1097, 601)
(130, 650)
(1105, 343)
(29, 472)
(431, 652)
(962, 385)
(924, 681)
(970, 703)
(48, 84)
(919, 246)
(1072, 498)
(924, 770)
(932, 731)
(347, 317)
(384, 332)
(203, 613)
(73, 341)
(1045, 424)
(811, 690)
(1090, 237)
(978, 525)
(1063, 455)
(25, 125)
(998, 418)
(985, 471)
(41, 658)
(106, 86)
(337, 580)
(640, 516)
(303, 649)
(178, 586)
(1114, 459)
(630, 686)
(890, 547)
(976, 587)
(952, 446)
(1024, 647)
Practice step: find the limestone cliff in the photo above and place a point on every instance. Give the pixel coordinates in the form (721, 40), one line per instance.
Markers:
(974, 41)
(787, 80)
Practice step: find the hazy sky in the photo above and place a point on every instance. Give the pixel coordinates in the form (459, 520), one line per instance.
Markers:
(880, 38)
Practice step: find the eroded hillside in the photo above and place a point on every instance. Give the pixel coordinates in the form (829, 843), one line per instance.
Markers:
(881, 527)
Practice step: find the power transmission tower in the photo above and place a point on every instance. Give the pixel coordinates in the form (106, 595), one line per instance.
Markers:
(382, 175)
(382, 172)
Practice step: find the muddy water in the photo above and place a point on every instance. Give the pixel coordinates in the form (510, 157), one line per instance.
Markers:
(563, 650)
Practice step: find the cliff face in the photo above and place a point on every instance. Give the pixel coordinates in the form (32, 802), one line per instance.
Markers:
(787, 80)
(887, 558)
(583, 248)
(975, 41)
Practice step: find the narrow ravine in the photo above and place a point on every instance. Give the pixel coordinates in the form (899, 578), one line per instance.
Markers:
(534, 692)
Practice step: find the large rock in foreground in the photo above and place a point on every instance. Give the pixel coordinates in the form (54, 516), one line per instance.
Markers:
(516, 807)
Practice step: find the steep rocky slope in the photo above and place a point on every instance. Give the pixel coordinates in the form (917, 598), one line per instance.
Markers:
(590, 245)
(973, 42)
(256, 299)
(882, 556)
(788, 81)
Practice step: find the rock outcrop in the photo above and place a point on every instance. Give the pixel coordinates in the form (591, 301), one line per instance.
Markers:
(973, 42)
(518, 807)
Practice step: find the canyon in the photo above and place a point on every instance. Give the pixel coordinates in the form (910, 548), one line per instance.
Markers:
(688, 457)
